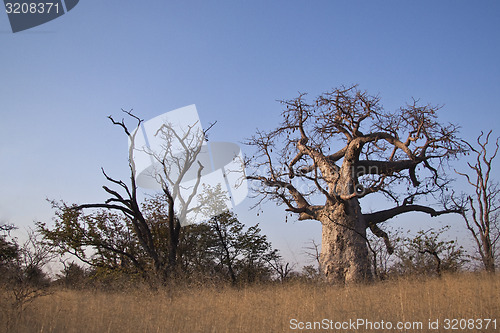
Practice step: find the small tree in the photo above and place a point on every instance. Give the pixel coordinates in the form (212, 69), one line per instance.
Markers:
(427, 253)
(22, 278)
(73, 276)
(382, 250)
(283, 270)
(245, 253)
(313, 252)
(310, 273)
(483, 222)
(22, 263)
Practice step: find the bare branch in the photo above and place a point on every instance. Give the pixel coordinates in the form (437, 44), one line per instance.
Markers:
(384, 215)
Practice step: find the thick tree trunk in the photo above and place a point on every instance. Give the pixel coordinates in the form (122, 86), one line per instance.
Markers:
(344, 252)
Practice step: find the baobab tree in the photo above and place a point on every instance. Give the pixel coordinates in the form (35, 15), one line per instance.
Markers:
(327, 155)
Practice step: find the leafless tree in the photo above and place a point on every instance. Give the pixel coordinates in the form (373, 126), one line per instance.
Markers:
(484, 204)
(327, 155)
(172, 171)
(282, 269)
(381, 252)
(313, 251)
(129, 204)
(170, 175)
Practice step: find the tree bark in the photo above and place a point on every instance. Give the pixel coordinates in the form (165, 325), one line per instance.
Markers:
(487, 255)
(344, 252)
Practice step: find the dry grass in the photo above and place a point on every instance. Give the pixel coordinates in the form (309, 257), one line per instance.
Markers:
(267, 308)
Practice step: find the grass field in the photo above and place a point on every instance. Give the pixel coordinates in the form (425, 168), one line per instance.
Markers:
(269, 308)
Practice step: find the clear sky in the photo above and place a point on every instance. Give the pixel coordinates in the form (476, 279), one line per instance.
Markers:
(233, 59)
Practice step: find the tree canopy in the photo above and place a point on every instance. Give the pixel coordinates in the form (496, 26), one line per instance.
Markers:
(329, 153)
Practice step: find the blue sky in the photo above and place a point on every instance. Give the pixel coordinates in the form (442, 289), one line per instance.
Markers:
(234, 60)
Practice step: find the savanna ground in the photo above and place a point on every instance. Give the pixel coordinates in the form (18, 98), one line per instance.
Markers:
(264, 308)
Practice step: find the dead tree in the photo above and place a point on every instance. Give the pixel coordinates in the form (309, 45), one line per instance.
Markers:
(129, 202)
(484, 204)
(327, 155)
(170, 172)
